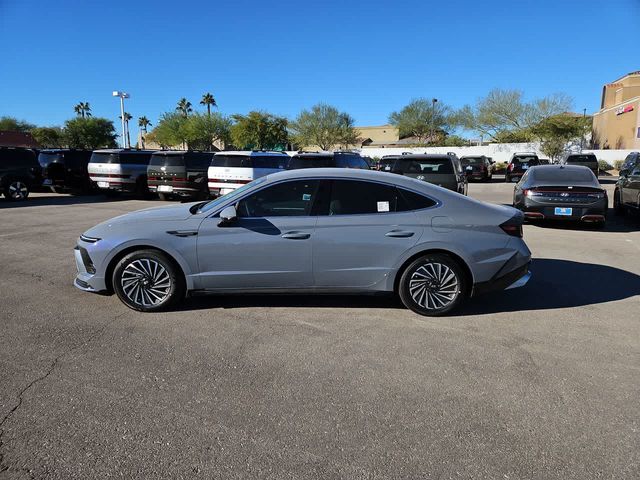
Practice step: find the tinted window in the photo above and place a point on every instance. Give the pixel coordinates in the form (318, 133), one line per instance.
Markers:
(352, 197)
(270, 161)
(45, 158)
(232, 161)
(581, 158)
(11, 158)
(472, 160)
(167, 160)
(285, 199)
(429, 166)
(310, 161)
(408, 200)
(563, 175)
(105, 158)
(530, 159)
(135, 158)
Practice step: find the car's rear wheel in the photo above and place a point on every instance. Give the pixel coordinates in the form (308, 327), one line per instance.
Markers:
(432, 285)
(16, 190)
(618, 206)
(148, 281)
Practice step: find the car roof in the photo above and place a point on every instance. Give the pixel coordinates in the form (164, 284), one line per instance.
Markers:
(251, 153)
(419, 156)
(124, 150)
(347, 174)
(181, 152)
(322, 154)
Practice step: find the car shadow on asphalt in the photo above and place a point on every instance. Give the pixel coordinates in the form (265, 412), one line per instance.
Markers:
(55, 199)
(615, 223)
(554, 284)
(559, 284)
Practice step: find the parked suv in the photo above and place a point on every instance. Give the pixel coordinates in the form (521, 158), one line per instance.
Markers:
(66, 170)
(584, 159)
(627, 192)
(120, 170)
(442, 170)
(327, 159)
(477, 167)
(179, 174)
(519, 164)
(232, 169)
(19, 172)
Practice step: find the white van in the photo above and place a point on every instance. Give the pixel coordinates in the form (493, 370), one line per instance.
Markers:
(230, 170)
(120, 170)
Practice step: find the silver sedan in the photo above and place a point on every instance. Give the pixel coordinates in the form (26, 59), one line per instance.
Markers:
(311, 231)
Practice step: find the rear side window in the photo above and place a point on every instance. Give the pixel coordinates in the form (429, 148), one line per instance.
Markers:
(135, 158)
(353, 197)
(581, 159)
(200, 161)
(231, 161)
(287, 199)
(310, 161)
(408, 200)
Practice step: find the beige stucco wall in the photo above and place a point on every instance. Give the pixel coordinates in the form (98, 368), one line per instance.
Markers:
(612, 127)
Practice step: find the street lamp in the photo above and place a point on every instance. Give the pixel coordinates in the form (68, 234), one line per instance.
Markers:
(122, 96)
(584, 116)
(433, 116)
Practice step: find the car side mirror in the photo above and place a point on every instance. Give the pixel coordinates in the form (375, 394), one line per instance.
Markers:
(228, 216)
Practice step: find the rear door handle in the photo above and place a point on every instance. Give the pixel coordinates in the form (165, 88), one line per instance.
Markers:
(296, 235)
(399, 234)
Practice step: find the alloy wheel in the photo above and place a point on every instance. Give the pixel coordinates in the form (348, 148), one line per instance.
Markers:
(434, 286)
(146, 282)
(18, 190)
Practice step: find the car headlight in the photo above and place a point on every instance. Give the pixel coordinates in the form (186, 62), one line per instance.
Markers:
(86, 238)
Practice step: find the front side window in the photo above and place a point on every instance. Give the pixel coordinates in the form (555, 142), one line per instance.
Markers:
(286, 199)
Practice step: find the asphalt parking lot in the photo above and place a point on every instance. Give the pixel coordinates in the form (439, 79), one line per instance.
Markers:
(541, 382)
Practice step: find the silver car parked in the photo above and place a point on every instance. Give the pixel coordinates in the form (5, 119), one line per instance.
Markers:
(311, 230)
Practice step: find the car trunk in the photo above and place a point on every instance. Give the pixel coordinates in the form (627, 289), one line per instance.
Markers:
(565, 195)
(167, 170)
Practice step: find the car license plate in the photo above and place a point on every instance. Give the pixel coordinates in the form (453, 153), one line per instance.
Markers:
(525, 167)
(563, 211)
(469, 168)
(103, 184)
(165, 188)
(47, 182)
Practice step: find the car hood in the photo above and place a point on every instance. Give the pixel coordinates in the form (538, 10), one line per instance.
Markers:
(167, 214)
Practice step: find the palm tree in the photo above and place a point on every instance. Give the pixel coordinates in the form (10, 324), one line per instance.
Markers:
(127, 117)
(143, 123)
(184, 107)
(83, 109)
(209, 101)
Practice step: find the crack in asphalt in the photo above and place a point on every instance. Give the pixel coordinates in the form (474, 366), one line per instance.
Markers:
(3, 466)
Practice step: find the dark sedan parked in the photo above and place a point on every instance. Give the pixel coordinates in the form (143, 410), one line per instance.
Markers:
(442, 170)
(562, 192)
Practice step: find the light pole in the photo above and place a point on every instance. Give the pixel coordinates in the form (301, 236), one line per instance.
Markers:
(122, 96)
(584, 116)
(433, 116)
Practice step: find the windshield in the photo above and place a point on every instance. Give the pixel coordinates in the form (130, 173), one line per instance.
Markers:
(581, 159)
(230, 196)
(562, 175)
(428, 166)
(167, 160)
(471, 160)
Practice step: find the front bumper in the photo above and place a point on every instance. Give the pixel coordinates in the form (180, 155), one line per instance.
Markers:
(86, 279)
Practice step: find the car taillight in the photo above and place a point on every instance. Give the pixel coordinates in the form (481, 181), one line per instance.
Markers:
(510, 168)
(513, 227)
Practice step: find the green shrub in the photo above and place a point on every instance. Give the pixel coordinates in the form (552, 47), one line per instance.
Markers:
(604, 166)
(618, 164)
(500, 167)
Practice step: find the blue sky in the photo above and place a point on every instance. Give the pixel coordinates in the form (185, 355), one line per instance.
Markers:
(367, 58)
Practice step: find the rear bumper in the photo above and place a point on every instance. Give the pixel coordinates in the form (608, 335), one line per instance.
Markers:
(595, 212)
(178, 191)
(517, 277)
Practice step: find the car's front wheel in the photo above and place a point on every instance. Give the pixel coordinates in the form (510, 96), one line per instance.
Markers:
(432, 285)
(16, 190)
(148, 281)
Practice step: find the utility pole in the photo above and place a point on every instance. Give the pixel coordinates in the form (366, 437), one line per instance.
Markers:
(122, 96)
(584, 117)
(433, 115)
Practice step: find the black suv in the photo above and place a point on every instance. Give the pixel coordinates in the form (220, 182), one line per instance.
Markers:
(65, 170)
(477, 167)
(327, 159)
(519, 164)
(442, 170)
(627, 192)
(179, 174)
(19, 172)
(584, 159)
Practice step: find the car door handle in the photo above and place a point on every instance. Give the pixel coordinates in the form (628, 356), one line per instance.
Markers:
(296, 235)
(399, 234)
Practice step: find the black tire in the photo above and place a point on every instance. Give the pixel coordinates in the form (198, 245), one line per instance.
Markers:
(109, 193)
(618, 206)
(420, 297)
(133, 281)
(163, 196)
(16, 190)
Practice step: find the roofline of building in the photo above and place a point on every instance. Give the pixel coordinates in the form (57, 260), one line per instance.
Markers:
(617, 105)
(637, 72)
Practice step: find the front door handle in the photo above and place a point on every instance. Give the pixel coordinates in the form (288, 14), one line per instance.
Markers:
(296, 235)
(399, 234)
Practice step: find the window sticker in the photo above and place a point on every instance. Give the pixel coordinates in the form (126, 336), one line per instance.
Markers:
(383, 206)
(306, 197)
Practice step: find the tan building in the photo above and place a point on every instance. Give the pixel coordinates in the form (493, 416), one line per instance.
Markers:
(377, 136)
(617, 124)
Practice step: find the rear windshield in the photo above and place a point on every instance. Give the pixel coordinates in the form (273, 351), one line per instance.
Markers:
(47, 158)
(167, 161)
(310, 161)
(531, 160)
(472, 160)
(245, 161)
(428, 166)
(581, 159)
(562, 175)
(128, 158)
